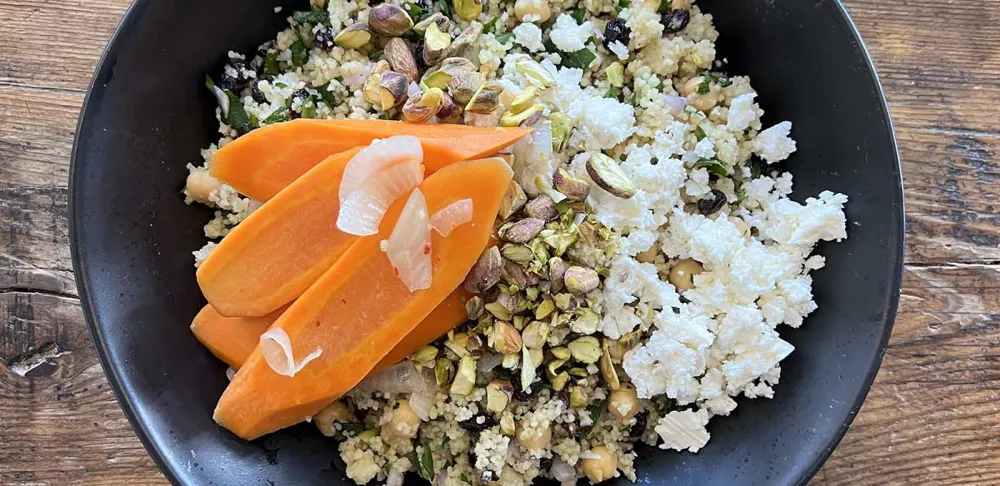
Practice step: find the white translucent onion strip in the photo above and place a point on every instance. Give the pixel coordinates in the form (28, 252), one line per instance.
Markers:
(362, 210)
(377, 156)
(277, 350)
(409, 246)
(452, 216)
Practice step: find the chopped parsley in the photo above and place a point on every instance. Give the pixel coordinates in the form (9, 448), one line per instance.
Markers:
(708, 79)
(579, 15)
(444, 6)
(492, 24)
(271, 63)
(314, 17)
(425, 467)
(665, 6)
(505, 37)
(413, 10)
(237, 116)
(579, 59)
(299, 53)
(279, 115)
(713, 166)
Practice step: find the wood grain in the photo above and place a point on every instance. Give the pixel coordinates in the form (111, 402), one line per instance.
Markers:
(932, 417)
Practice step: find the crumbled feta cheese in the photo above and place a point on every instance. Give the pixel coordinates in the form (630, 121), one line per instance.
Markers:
(747, 347)
(201, 254)
(684, 430)
(670, 361)
(704, 149)
(741, 112)
(644, 23)
(774, 145)
(529, 36)
(568, 36)
(602, 122)
(619, 49)
(697, 185)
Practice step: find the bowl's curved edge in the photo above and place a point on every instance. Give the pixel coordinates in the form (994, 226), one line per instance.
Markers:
(897, 277)
(114, 379)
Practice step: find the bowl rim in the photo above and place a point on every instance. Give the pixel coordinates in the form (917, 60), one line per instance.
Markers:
(114, 377)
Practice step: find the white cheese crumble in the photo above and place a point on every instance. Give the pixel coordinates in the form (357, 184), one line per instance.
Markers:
(529, 36)
(568, 36)
(601, 122)
(684, 430)
(774, 145)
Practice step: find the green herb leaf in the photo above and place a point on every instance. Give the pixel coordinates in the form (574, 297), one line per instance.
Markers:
(271, 63)
(444, 6)
(446, 444)
(595, 410)
(463, 478)
(705, 86)
(315, 17)
(713, 166)
(492, 24)
(623, 4)
(665, 6)
(699, 133)
(279, 115)
(612, 93)
(579, 15)
(426, 465)
(327, 96)
(579, 59)
(505, 37)
(299, 53)
(413, 10)
(237, 117)
(308, 109)
(377, 56)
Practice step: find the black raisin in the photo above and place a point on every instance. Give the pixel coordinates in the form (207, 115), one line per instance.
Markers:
(256, 93)
(236, 75)
(264, 48)
(640, 425)
(712, 202)
(675, 20)
(300, 96)
(478, 423)
(520, 395)
(324, 38)
(616, 30)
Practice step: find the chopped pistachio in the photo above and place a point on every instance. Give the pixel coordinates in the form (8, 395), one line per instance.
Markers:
(507, 424)
(565, 302)
(532, 293)
(474, 307)
(443, 23)
(436, 79)
(436, 44)
(535, 334)
(498, 395)
(486, 98)
(513, 200)
(464, 85)
(554, 365)
(505, 338)
(444, 371)
(562, 127)
(519, 322)
(423, 106)
(585, 321)
(392, 90)
(510, 361)
(541, 207)
(465, 377)
(545, 187)
(516, 275)
(498, 311)
(486, 273)
(456, 343)
(560, 352)
(557, 270)
(474, 345)
(574, 189)
(586, 349)
(450, 111)
(537, 356)
(467, 9)
(511, 119)
(517, 253)
(608, 367)
(561, 241)
(559, 381)
(578, 372)
(578, 397)
(606, 173)
(389, 20)
(616, 74)
(522, 231)
(354, 36)
(425, 354)
(545, 308)
(524, 100)
(465, 43)
(537, 75)
(580, 280)
(370, 89)
(527, 369)
(369, 434)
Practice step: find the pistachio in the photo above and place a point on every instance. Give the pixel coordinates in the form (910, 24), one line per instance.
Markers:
(443, 23)
(513, 200)
(580, 280)
(578, 372)
(401, 59)
(562, 128)
(505, 339)
(516, 274)
(467, 9)
(507, 424)
(554, 365)
(444, 371)
(527, 369)
(486, 273)
(565, 302)
(585, 321)
(615, 73)
(561, 353)
(518, 254)
(542, 208)
(559, 381)
(435, 78)
(450, 111)
(537, 75)
(370, 89)
(578, 397)
(465, 376)
(524, 100)
(498, 395)
(510, 361)
(436, 44)
(648, 256)
(574, 189)
(389, 20)
(464, 85)
(532, 114)
(606, 173)
(392, 90)
(456, 343)
(353, 36)
(607, 366)
(369, 434)
(425, 354)
(506, 299)
(486, 98)
(421, 107)
(557, 272)
(475, 345)
(586, 349)
(498, 311)
(545, 308)
(532, 293)
(561, 241)
(535, 334)
(523, 231)
(465, 44)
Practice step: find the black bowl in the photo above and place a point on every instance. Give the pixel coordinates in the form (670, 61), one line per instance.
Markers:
(148, 114)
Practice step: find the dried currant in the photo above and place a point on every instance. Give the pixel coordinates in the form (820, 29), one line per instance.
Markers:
(616, 31)
(712, 202)
(675, 20)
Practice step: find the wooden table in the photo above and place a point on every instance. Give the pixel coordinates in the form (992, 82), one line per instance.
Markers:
(933, 416)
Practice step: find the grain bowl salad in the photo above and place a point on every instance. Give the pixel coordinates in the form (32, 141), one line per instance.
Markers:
(495, 241)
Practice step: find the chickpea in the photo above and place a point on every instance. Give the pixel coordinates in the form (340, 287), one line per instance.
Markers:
(535, 8)
(704, 102)
(682, 274)
(533, 438)
(599, 468)
(648, 256)
(623, 403)
(335, 412)
(684, 4)
(200, 185)
(404, 423)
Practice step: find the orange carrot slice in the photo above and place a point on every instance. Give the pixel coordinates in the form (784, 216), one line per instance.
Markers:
(264, 161)
(281, 248)
(230, 339)
(445, 317)
(359, 310)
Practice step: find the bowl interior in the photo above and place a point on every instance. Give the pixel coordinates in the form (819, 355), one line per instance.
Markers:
(148, 115)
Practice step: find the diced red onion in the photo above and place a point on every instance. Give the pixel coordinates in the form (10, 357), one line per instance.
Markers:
(675, 104)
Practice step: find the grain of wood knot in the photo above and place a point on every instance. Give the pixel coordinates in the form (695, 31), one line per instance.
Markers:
(36, 362)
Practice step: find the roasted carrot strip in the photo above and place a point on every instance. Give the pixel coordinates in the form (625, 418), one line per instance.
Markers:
(230, 339)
